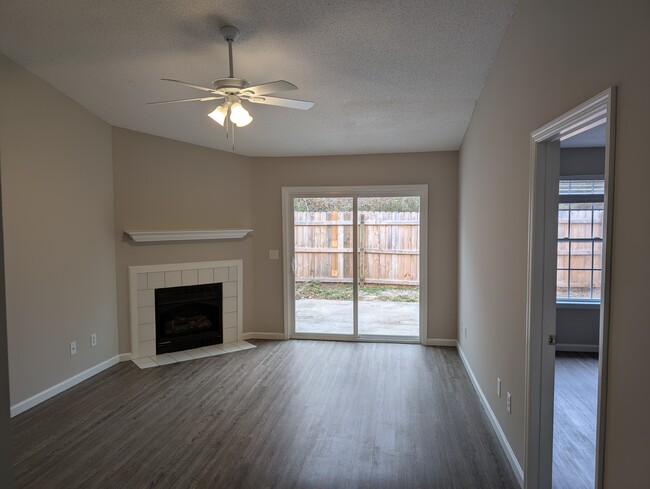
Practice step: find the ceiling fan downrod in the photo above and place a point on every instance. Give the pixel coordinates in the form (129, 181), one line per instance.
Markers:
(230, 34)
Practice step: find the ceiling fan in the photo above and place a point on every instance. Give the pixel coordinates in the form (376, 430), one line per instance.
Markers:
(233, 91)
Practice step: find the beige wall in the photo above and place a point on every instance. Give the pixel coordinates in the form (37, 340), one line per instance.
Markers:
(6, 465)
(438, 170)
(57, 196)
(162, 184)
(554, 56)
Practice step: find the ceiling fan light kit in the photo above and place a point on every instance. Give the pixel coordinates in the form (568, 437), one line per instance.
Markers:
(233, 91)
(238, 114)
(219, 114)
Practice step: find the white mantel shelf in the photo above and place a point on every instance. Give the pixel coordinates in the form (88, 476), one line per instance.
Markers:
(200, 235)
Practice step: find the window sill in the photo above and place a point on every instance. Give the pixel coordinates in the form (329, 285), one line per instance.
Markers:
(577, 305)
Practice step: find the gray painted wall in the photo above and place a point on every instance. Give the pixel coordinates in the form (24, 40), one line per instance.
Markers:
(582, 161)
(577, 327)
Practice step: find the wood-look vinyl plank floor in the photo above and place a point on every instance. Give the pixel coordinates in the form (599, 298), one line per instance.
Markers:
(291, 414)
(574, 423)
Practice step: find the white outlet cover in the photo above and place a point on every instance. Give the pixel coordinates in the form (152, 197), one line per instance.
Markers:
(499, 387)
(509, 402)
(274, 254)
(73, 348)
(93, 340)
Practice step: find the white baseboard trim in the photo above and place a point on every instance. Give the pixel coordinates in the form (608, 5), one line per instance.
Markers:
(124, 357)
(262, 336)
(439, 342)
(29, 403)
(577, 348)
(514, 463)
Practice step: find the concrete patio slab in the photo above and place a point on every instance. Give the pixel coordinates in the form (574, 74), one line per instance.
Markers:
(375, 317)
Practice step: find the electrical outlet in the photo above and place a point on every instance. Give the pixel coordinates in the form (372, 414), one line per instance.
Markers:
(498, 387)
(73, 348)
(274, 254)
(509, 402)
(93, 340)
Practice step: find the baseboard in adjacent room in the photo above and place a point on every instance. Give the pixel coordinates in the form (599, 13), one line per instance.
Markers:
(439, 342)
(124, 357)
(262, 336)
(29, 403)
(514, 463)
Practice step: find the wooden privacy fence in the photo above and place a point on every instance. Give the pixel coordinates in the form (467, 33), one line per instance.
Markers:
(389, 247)
(582, 255)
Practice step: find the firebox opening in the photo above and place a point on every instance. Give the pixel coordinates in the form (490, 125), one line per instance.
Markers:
(188, 317)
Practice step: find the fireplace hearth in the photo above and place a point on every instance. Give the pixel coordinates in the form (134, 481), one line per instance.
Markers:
(188, 317)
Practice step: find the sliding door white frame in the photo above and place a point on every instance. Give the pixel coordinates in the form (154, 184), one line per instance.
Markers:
(289, 193)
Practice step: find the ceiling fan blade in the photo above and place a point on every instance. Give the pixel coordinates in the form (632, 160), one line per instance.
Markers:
(199, 87)
(271, 87)
(201, 99)
(282, 102)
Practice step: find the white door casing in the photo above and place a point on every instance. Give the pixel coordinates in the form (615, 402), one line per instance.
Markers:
(542, 269)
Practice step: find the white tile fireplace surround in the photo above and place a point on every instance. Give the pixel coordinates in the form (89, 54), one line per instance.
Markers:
(144, 280)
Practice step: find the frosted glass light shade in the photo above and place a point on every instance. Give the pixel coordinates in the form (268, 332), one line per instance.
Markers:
(219, 114)
(244, 121)
(239, 115)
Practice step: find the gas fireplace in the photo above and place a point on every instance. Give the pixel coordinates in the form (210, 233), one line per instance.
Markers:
(188, 317)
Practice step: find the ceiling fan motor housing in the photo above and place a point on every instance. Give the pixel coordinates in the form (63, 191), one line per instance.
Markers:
(230, 86)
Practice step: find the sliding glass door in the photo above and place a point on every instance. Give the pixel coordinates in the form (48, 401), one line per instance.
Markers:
(323, 265)
(354, 269)
(389, 264)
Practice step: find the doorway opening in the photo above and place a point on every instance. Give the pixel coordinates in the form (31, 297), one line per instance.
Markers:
(354, 263)
(568, 296)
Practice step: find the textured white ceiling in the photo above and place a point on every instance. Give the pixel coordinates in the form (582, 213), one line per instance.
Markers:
(386, 76)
